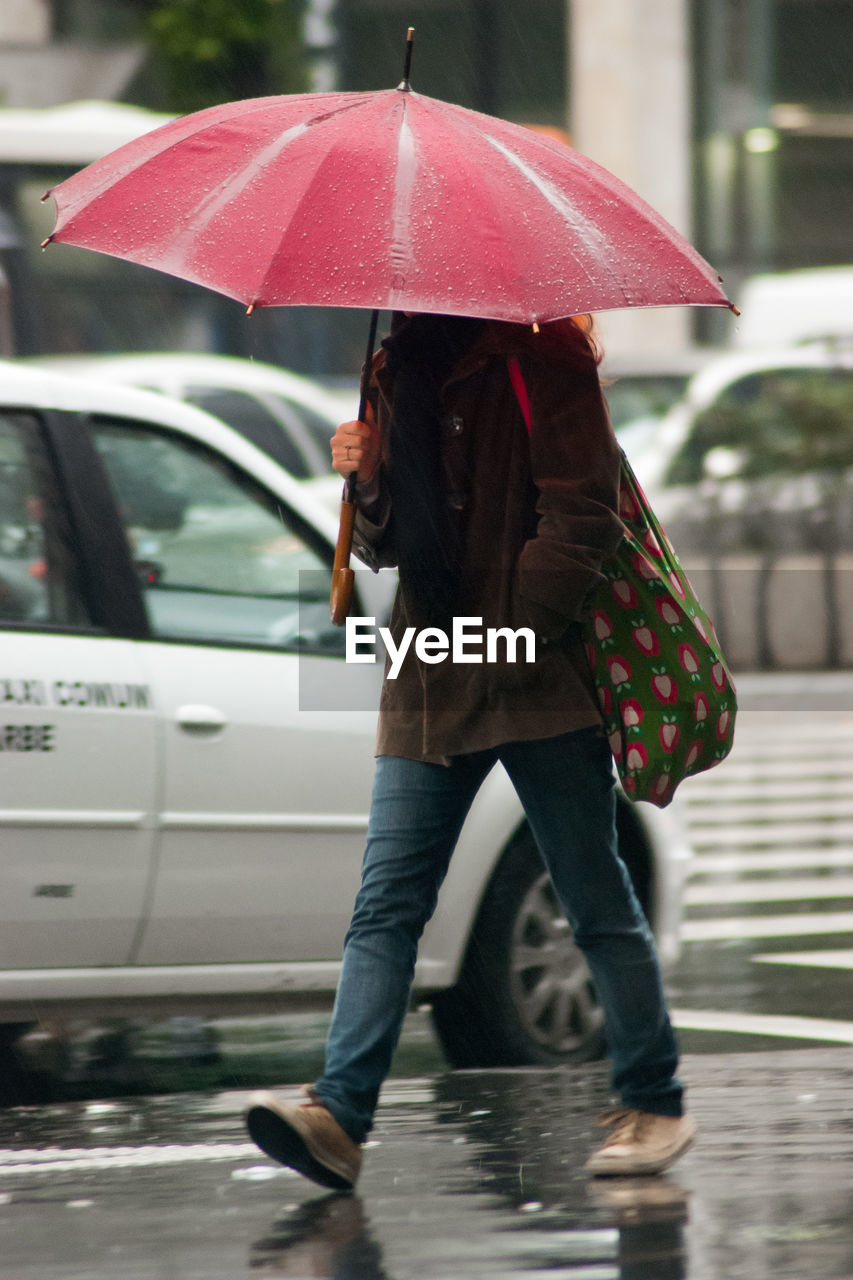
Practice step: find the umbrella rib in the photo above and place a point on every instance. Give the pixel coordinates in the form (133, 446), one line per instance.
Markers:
(404, 184)
(589, 235)
(216, 201)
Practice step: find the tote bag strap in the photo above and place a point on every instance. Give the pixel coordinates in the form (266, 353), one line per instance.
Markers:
(519, 386)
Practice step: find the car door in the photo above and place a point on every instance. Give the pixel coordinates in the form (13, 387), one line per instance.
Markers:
(264, 803)
(77, 724)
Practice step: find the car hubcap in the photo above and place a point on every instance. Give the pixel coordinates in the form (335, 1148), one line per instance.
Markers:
(550, 982)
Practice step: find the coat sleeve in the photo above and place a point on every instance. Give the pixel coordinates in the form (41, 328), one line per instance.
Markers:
(575, 468)
(373, 540)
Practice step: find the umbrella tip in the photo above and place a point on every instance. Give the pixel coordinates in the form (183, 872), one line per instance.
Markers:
(46, 242)
(404, 85)
(535, 326)
(250, 308)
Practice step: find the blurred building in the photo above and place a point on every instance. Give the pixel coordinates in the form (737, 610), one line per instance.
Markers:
(733, 117)
(773, 133)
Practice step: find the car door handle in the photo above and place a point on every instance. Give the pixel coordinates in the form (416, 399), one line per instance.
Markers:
(195, 718)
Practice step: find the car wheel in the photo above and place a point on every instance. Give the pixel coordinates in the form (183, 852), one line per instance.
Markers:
(525, 996)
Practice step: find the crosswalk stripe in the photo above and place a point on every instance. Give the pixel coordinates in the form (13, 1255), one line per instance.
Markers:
(772, 860)
(811, 889)
(739, 774)
(763, 805)
(764, 1024)
(787, 739)
(768, 835)
(804, 777)
(808, 959)
(767, 926)
(774, 816)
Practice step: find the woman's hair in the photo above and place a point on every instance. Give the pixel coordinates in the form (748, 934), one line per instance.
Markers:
(586, 324)
(576, 333)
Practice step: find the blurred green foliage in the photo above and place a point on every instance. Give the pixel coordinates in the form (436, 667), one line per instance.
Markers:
(212, 51)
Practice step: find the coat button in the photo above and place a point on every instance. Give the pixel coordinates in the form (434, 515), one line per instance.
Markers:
(456, 499)
(456, 425)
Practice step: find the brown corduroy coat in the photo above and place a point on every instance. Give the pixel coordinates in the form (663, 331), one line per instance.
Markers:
(538, 520)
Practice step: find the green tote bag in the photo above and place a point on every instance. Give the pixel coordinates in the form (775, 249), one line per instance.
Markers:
(666, 693)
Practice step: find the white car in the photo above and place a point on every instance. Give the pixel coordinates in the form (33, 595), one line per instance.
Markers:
(647, 385)
(186, 757)
(290, 417)
(641, 389)
(741, 384)
(751, 475)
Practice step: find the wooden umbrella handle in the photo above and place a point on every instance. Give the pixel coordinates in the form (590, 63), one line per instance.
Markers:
(343, 578)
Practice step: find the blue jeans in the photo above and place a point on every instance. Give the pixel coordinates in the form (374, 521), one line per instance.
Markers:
(566, 787)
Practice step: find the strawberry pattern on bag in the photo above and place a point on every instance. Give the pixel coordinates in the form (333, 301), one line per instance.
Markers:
(664, 687)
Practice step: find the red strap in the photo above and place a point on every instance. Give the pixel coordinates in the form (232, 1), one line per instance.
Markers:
(519, 386)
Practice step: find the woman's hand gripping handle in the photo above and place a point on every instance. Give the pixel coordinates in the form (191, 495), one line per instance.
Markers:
(355, 455)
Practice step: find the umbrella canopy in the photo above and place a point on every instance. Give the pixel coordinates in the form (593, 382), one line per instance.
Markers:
(388, 200)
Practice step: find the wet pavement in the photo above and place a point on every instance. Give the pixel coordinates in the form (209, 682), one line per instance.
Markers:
(470, 1174)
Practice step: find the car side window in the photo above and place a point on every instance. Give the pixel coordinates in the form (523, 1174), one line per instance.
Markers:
(218, 558)
(777, 422)
(38, 568)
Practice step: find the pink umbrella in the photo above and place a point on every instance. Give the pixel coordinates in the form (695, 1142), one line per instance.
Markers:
(384, 200)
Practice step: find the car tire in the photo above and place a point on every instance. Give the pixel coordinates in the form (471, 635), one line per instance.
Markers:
(19, 1086)
(525, 995)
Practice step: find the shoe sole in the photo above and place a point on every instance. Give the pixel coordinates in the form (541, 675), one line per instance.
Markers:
(278, 1139)
(631, 1170)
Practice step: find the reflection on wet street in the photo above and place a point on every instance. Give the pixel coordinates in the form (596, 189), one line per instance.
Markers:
(468, 1174)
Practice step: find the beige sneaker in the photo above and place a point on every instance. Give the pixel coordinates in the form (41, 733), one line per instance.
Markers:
(640, 1142)
(306, 1137)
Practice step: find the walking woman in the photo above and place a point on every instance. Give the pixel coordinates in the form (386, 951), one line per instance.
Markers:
(486, 517)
